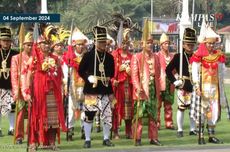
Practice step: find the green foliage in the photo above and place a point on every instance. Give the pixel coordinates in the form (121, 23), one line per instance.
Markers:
(227, 60)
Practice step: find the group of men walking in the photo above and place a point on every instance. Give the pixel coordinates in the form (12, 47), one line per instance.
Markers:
(118, 86)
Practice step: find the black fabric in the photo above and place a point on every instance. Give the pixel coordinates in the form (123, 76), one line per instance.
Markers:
(100, 33)
(89, 115)
(86, 68)
(6, 83)
(175, 64)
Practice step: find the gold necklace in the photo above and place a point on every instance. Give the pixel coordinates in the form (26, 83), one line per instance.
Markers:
(101, 63)
(5, 71)
(104, 81)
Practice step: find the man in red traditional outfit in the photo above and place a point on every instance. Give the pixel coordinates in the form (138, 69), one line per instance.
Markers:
(7, 105)
(72, 58)
(208, 65)
(47, 112)
(19, 70)
(122, 85)
(167, 90)
(145, 74)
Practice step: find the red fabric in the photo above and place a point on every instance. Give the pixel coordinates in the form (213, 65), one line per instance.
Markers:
(19, 132)
(68, 57)
(168, 113)
(128, 128)
(152, 129)
(222, 58)
(42, 84)
(202, 50)
(14, 71)
(121, 76)
(162, 59)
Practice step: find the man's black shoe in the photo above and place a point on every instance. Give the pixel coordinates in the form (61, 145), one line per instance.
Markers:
(201, 141)
(19, 141)
(191, 133)
(87, 144)
(138, 142)
(180, 134)
(108, 143)
(214, 140)
(11, 132)
(155, 142)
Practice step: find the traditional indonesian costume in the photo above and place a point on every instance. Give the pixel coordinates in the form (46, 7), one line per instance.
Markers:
(97, 97)
(47, 113)
(145, 75)
(123, 92)
(6, 99)
(167, 91)
(208, 71)
(21, 94)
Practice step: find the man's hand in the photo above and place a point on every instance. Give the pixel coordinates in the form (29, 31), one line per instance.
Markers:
(139, 91)
(93, 79)
(115, 83)
(128, 70)
(122, 67)
(178, 83)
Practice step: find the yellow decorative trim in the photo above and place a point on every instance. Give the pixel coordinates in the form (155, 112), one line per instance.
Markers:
(213, 57)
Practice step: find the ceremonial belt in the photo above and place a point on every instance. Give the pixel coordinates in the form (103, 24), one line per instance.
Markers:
(103, 78)
(186, 78)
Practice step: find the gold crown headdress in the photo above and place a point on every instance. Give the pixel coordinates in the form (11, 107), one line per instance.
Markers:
(126, 35)
(28, 38)
(164, 38)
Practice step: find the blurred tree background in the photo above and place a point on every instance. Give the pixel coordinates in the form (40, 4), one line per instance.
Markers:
(87, 13)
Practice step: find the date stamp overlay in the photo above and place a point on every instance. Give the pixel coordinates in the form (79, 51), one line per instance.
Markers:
(29, 18)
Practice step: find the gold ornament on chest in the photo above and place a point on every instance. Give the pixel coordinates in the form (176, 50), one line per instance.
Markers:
(4, 70)
(101, 67)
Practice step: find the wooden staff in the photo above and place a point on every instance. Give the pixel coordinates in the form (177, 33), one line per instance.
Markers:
(144, 39)
(68, 87)
(21, 40)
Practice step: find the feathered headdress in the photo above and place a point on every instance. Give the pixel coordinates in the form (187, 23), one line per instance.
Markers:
(60, 36)
(49, 30)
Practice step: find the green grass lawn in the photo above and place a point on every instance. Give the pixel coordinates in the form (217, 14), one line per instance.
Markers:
(167, 137)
